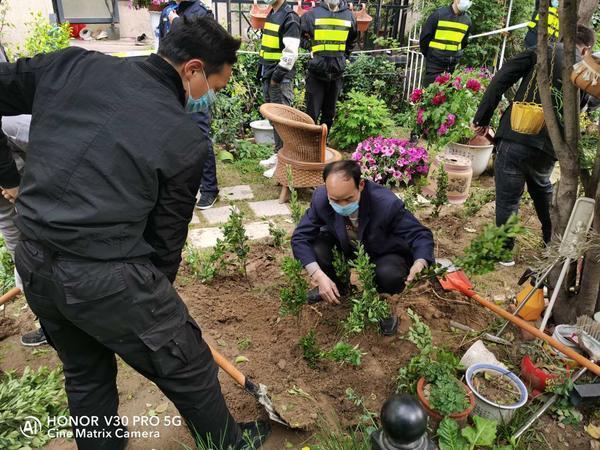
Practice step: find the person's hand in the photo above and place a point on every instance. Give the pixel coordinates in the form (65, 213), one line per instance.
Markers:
(480, 130)
(11, 194)
(416, 268)
(172, 16)
(327, 288)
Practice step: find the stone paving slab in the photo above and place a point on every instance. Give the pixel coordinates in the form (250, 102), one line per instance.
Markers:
(269, 208)
(217, 215)
(241, 192)
(195, 219)
(257, 230)
(204, 237)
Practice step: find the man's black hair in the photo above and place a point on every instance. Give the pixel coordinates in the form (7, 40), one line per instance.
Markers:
(585, 36)
(350, 169)
(202, 38)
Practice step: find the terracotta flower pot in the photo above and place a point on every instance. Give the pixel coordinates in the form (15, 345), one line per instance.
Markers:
(258, 15)
(460, 417)
(363, 19)
(459, 172)
(586, 75)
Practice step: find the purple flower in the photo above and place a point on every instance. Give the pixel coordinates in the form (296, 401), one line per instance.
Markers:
(416, 96)
(474, 85)
(420, 113)
(357, 155)
(450, 120)
(442, 130)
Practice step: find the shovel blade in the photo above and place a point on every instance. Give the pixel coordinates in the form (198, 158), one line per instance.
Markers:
(265, 401)
(456, 281)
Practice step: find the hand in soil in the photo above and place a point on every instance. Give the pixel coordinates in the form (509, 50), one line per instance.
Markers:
(327, 288)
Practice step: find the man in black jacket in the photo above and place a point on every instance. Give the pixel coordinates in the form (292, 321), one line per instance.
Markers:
(523, 158)
(443, 39)
(328, 32)
(113, 168)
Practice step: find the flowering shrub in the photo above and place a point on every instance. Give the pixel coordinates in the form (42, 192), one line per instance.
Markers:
(137, 4)
(444, 110)
(391, 161)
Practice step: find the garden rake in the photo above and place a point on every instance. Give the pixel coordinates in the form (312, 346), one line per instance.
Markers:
(257, 390)
(588, 338)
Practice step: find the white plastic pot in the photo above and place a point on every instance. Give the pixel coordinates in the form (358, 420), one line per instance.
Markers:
(488, 409)
(263, 132)
(478, 354)
(478, 154)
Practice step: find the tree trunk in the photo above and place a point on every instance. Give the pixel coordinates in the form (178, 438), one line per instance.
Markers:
(586, 11)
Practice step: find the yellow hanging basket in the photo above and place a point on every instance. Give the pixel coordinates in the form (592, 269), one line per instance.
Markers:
(526, 118)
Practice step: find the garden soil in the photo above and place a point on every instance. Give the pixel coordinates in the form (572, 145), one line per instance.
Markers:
(233, 309)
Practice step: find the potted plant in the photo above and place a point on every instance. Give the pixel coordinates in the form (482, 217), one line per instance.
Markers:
(151, 5)
(391, 162)
(444, 110)
(433, 376)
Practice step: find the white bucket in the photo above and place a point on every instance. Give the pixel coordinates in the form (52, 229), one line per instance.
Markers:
(561, 334)
(263, 132)
(488, 409)
(478, 354)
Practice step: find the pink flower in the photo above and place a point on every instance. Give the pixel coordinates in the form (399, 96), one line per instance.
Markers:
(439, 99)
(397, 174)
(443, 78)
(469, 70)
(357, 155)
(474, 85)
(416, 96)
(457, 83)
(450, 120)
(420, 113)
(442, 130)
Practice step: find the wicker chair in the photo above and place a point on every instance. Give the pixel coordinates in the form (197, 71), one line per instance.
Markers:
(304, 147)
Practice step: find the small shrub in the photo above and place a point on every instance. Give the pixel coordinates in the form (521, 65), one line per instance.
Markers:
(236, 239)
(477, 200)
(7, 268)
(310, 349)
(277, 234)
(244, 150)
(244, 344)
(293, 294)
(343, 352)
(358, 118)
(367, 306)
(441, 191)
(490, 247)
(44, 37)
(341, 267)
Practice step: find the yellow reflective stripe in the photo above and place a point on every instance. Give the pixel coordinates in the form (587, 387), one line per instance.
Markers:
(452, 36)
(329, 48)
(335, 22)
(440, 46)
(331, 35)
(270, 41)
(271, 26)
(531, 24)
(271, 55)
(455, 25)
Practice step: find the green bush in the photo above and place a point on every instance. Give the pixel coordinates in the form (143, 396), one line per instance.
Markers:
(7, 268)
(358, 118)
(44, 37)
(374, 75)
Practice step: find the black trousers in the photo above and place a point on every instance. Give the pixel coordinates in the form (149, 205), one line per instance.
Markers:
(433, 68)
(321, 99)
(92, 310)
(391, 269)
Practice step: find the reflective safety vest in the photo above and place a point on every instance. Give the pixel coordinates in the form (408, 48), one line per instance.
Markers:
(331, 34)
(553, 22)
(271, 46)
(449, 35)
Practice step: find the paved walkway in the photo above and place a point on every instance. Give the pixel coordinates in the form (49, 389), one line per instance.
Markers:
(206, 237)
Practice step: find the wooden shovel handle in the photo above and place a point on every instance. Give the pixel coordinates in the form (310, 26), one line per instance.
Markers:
(226, 365)
(581, 360)
(9, 295)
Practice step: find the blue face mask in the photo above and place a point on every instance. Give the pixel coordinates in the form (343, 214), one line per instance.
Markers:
(203, 103)
(269, 2)
(554, 3)
(345, 211)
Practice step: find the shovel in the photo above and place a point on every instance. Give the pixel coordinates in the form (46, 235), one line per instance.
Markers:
(258, 390)
(457, 281)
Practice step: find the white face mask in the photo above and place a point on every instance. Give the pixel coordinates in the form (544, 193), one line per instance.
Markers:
(332, 4)
(464, 5)
(554, 3)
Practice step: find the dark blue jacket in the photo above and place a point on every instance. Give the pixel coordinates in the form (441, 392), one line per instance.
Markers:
(185, 8)
(384, 226)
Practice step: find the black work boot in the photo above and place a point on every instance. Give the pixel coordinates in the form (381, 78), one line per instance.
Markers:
(389, 325)
(254, 434)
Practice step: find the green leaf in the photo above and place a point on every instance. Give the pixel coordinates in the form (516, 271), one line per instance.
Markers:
(241, 359)
(224, 155)
(450, 437)
(483, 434)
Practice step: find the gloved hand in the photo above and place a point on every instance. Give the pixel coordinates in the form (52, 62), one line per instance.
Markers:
(416, 268)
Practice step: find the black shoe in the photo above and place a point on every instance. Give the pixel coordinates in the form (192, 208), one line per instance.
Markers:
(34, 338)
(206, 201)
(254, 434)
(389, 325)
(313, 296)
